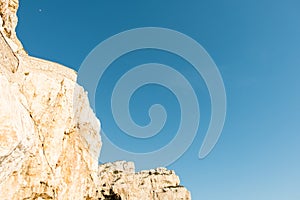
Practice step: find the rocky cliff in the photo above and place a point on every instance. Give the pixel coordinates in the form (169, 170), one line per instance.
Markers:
(49, 136)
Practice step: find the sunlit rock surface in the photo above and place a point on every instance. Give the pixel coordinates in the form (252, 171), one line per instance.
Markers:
(49, 135)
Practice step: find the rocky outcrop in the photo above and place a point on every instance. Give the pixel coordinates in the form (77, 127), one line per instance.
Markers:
(50, 141)
(120, 180)
(8, 23)
(49, 136)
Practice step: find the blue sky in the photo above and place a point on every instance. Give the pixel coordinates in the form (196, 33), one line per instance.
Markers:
(256, 46)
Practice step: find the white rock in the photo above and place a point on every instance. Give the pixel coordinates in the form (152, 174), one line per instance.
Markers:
(49, 135)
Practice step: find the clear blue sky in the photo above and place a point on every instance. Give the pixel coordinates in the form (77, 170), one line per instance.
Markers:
(255, 44)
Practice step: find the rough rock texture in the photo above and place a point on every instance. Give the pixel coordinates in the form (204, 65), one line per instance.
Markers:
(50, 141)
(49, 136)
(8, 23)
(119, 180)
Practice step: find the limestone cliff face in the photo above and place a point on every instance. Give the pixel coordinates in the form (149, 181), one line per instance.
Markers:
(49, 136)
(8, 23)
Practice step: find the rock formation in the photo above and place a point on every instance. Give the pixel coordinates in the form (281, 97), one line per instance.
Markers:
(49, 136)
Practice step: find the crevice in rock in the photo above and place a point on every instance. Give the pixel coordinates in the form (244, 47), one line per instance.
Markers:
(37, 196)
(10, 153)
(112, 196)
(15, 55)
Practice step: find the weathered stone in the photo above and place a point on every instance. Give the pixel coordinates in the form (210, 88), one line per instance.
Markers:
(156, 184)
(8, 23)
(49, 135)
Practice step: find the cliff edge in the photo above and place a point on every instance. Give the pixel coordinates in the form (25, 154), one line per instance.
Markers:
(49, 135)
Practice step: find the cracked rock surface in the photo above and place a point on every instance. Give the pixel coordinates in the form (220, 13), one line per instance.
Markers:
(49, 135)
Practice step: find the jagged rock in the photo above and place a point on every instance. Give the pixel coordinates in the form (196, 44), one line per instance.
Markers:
(156, 184)
(49, 136)
(8, 23)
(50, 141)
